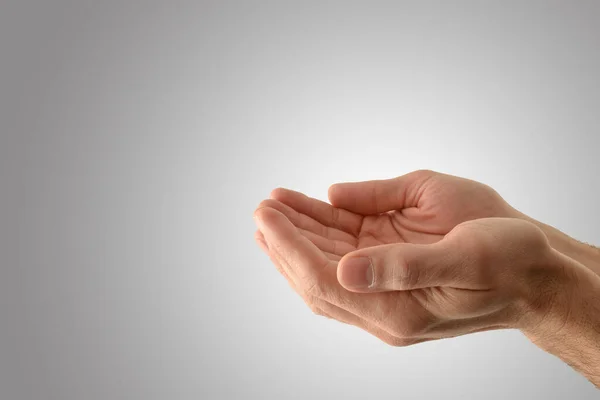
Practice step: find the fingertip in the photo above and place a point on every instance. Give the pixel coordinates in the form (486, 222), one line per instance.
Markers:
(338, 193)
(266, 203)
(274, 225)
(332, 192)
(355, 273)
(265, 215)
(263, 218)
(278, 193)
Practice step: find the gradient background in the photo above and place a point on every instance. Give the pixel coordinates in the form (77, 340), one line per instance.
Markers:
(136, 139)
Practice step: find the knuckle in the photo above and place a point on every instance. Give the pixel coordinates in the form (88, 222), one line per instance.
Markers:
(424, 172)
(312, 305)
(405, 274)
(402, 329)
(472, 242)
(312, 288)
(335, 215)
(423, 175)
(410, 328)
(395, 341)
(536, 240)
(398, 342)
(391, 341)
(317, 311)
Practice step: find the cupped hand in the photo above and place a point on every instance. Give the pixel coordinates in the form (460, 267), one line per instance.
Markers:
(484, 274)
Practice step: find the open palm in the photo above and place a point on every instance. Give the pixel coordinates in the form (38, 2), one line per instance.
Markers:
(420, 208)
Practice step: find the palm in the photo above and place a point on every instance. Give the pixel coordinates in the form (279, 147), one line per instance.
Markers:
(391, 227)
(420, 210)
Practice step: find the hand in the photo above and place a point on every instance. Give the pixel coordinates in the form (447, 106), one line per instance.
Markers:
(550, 295)
(485, 274)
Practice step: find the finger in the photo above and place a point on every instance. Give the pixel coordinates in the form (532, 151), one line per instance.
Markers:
(323, 313)
(302, 260)
(260, 239)
(320, 211)
(278, 264)
(307, 223)
(379, 196)
(331, 311)
(330, 246)
(403, 266)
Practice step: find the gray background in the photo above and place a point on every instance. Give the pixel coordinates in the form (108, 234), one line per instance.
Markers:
(137, 138)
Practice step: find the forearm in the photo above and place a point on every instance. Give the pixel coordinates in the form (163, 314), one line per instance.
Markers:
(570, 329)
(587, 255)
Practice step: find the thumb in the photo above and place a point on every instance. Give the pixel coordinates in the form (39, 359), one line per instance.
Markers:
(402, 267)
(378, 196)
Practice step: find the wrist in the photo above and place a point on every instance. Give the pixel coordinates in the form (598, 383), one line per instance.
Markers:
(549, 297)
(568, 324)
(585, 254)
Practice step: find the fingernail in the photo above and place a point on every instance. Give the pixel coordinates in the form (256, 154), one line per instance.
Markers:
(357, 272)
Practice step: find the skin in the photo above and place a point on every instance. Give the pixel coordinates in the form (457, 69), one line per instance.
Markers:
(427, 256)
